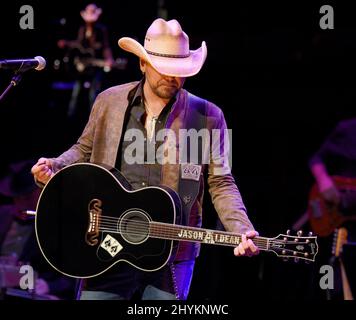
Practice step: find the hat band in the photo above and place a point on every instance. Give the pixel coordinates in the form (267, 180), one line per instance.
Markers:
(168, 55)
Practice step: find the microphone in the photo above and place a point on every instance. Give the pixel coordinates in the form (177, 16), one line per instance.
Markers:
(38, 63)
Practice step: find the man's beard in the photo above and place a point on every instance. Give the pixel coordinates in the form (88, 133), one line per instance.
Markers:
(166, 90)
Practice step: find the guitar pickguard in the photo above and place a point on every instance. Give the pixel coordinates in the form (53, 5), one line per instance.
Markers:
(111, 245)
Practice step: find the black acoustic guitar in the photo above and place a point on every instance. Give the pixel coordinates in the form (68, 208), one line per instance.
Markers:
(88, 218)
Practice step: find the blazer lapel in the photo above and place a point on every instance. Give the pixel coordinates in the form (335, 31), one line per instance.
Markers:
(176, 120)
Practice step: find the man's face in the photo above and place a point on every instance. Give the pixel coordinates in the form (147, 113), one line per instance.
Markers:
(164, 87)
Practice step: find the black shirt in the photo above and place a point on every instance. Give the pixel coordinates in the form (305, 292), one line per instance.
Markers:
(146, 171)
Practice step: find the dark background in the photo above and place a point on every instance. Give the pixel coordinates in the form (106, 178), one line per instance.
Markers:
(282, 82)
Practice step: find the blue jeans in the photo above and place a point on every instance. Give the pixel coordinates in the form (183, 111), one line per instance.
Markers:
(169, 283)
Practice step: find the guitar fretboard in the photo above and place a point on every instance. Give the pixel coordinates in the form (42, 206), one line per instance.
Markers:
(193, 234)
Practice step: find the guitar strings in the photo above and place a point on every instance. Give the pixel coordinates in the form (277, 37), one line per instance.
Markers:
(165, 236)
(172, 233)
(216, 243)
(143, 226)
(171, 230)
(165, 230)
(114, 221)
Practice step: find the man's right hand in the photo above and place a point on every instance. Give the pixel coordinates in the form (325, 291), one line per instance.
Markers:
(42, 170)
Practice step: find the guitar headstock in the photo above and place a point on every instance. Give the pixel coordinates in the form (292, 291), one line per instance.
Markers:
(298, 247)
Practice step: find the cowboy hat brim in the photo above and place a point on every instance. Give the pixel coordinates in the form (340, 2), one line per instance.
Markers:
(173, 67)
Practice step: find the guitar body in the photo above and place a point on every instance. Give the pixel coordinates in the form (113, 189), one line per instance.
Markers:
(324, 220)
(81, 197)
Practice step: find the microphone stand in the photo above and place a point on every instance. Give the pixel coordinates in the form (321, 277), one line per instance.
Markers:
(14, 82)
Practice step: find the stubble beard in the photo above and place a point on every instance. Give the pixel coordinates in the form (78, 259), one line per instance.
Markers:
(166, 90)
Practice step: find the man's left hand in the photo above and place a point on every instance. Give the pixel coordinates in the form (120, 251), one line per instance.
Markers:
(247, 247)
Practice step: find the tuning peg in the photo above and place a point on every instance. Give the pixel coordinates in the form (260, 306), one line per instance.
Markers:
(310, 233)
(296, 260)
(288, 232)
(299, 233)
(285, 259)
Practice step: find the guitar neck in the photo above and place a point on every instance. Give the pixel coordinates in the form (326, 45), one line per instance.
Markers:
(199, 235)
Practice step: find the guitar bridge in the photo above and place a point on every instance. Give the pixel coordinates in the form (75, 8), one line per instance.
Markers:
(93, 226)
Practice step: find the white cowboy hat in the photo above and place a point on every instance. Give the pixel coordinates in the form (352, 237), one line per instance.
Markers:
(91, 13)
(166, 49)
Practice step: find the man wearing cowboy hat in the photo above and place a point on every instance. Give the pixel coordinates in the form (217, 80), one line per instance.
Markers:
(92, 44)
(158, 102)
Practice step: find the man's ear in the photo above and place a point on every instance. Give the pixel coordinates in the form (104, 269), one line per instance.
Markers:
(143, 65)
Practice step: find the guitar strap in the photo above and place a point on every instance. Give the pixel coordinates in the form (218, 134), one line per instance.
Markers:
(191, 171)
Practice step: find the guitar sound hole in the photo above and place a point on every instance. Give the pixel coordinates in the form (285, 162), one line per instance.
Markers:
(134, 227)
